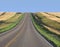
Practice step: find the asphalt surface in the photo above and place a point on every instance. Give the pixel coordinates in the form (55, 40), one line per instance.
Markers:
(23, 35)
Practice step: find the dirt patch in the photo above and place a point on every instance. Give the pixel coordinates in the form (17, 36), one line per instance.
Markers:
(1, 13)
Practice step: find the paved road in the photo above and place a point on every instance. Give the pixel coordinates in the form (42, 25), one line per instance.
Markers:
(23, 35)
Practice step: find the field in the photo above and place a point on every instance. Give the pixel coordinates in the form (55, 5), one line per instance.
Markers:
(7, 15)
(51, 16)
(9, 20)
(48, 22)
(40, 22)
(55, 13)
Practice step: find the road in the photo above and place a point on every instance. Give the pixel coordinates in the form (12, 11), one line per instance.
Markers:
(23, 35)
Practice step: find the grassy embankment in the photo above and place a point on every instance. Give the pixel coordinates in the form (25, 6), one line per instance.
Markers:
(49, 22)
(51, 37)
(10, 23)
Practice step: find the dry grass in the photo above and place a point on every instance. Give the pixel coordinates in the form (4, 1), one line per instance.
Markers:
(7, 15)
(9, 21)
(50, 24)
(55, 13)
(52, 30)
(51, 17)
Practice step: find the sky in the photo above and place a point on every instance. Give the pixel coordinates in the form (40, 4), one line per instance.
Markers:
(29, 5)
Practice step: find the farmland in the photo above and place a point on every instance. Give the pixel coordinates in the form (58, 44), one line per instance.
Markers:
(9, 20)
(48, 28)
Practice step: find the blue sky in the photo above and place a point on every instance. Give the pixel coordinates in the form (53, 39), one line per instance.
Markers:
(30, 5)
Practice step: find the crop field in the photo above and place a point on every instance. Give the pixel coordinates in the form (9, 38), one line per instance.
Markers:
(48, 28)
(9, 20)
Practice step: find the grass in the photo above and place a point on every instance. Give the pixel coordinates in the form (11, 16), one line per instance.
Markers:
(56, 14)
(49, 22)
(47, 34)
(10, 23)
(7, 15)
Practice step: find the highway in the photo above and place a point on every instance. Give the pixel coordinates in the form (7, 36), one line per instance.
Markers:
(23, 35)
